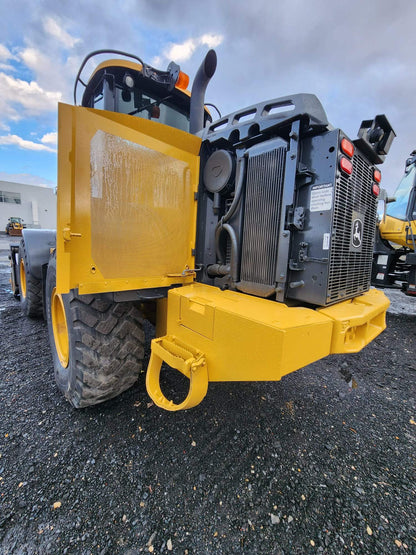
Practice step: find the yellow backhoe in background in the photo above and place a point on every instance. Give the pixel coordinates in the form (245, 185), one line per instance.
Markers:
(394, 263)
(247, 240)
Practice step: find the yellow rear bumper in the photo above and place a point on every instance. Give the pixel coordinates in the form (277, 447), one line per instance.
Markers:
(229, 336)
(357, 322)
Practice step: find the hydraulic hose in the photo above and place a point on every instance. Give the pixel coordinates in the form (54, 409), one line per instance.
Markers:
(224, 226)
(238, 189)
(233, 238)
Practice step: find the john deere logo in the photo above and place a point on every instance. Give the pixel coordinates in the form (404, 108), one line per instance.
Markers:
(357, 233)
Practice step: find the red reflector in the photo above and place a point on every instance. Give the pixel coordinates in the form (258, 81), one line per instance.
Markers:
(377, 176)
(345, 165)
(376, 190)
(347, 148)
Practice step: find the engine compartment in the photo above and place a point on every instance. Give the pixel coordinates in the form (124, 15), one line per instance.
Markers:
(276, 213)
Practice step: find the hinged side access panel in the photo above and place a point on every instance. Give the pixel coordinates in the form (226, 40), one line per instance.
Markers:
(126, 202)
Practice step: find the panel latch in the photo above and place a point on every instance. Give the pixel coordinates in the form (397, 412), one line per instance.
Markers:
(68, 234)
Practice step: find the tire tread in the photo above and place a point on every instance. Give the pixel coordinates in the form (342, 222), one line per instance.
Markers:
(32, 304)
(106, 346)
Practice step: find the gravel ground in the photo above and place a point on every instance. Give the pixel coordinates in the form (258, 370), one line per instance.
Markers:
(305, 465)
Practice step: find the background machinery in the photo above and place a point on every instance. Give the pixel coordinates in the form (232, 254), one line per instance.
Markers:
(247, 240)
(14, 227)
(394, 263)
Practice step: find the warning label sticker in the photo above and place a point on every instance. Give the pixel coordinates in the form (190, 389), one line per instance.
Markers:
(321, 197)
(382, 259)
(325, 242)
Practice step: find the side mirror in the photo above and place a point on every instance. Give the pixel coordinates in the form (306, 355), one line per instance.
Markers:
(383, 201)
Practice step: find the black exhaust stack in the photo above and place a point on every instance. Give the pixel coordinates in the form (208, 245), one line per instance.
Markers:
(205, 72)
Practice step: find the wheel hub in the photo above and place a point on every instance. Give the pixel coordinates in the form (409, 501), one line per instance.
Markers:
(22, 278)
(60, 328)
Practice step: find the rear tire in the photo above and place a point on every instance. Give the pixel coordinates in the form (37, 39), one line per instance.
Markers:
(100, 353)
(30, 287)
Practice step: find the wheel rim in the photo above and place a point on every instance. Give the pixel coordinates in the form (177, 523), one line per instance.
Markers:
(60, 328)
(22, 278)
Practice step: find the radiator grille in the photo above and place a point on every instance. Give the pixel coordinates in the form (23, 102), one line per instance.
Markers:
(263, 201)
(350, 272)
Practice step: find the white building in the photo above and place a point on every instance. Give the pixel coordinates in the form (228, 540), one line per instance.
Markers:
(36, 205)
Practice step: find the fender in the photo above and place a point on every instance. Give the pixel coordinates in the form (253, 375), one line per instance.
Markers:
(39, 243)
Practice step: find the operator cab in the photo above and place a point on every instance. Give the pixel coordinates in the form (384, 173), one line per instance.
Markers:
(404, 206)
(136, 89)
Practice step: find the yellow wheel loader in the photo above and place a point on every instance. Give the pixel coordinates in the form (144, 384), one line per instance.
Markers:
(249, 238)
(394, 263)
(14, 227)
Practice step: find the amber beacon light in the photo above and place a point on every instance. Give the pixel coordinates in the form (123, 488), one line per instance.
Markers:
(183, 81)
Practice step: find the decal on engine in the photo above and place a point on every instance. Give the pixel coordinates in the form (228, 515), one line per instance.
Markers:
(357, 230)
(321, 197)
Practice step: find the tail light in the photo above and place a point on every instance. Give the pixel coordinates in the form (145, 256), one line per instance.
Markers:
(347, 148)
(377, 175)
(345, 165)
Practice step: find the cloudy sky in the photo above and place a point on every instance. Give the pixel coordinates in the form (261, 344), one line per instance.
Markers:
(358, 57)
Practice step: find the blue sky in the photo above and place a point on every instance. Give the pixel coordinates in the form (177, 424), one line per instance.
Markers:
(357, 57)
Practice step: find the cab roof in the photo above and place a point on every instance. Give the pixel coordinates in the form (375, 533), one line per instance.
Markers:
(119, 64)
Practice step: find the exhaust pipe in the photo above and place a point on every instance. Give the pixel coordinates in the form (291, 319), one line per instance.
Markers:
(205, 72)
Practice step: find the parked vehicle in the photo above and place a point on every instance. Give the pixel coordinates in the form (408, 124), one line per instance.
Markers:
(247, 240)
(394, 263)
(14, 226)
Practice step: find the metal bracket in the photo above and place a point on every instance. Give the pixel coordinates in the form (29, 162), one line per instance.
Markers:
(296, 217)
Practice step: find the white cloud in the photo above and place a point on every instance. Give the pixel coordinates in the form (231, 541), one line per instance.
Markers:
(5, 53)
(29, 95)
(15, 140)
(50, 139)
(26, 178)
(6, 67)
(35, 60)
(156, 61)
(53, 28)
(212, 41)
(52, 69)
(183, 51)
(5, 56)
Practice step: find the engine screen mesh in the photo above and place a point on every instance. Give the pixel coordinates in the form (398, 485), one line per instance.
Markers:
(350, 267)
